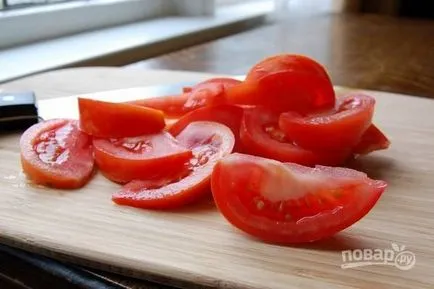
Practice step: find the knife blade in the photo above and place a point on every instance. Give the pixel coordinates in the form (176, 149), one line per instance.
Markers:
(67, 107)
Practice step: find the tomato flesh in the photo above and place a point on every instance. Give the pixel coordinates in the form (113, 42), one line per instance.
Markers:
(261, 136)
(339, 128)
(290, 203)
(371, 140)
(107, 119)
(228, 115)
(56, 153)
(152, 156)
(209, 142)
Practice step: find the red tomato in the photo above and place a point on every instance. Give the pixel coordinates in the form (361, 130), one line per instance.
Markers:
(56, 153)
(209, 142)
(286, 83)
(261, 136)
(171, 105)
(144, 157)
(333, 130)
(207, 93)
(372, 140)
(290, 203)
(228, 115)
(107, 119)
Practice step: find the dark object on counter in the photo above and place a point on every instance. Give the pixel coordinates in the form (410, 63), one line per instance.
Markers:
(18, 110)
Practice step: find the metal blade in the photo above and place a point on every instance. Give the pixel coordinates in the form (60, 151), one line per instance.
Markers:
(67, 107)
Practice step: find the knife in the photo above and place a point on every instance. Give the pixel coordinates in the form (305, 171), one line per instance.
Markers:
(67, 107)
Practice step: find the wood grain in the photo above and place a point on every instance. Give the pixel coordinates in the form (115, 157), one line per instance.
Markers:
(197, 246)
(359, 50)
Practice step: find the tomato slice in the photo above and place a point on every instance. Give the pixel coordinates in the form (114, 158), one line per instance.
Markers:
(209, 142)
(286, 62)
(151, 156)
(290, 203)
(372, 140)
(286, 83)
(228, 115)
(261, 136)
(339, 128)
(56, 153)
(107, 119)
(209, 92)
(206, 93)
(171, 105)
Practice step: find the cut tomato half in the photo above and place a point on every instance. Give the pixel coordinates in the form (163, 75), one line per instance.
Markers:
(286, 83)
(56, 153)
(372, 140)
(339, 128)
(228, 115)
(261, 136)
(290, 203)
(108, 119)
(152, 156)
(209, 142)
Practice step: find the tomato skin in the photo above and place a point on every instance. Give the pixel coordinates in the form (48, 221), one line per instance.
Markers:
(64, 160)
(146, 157)
(209, 142)
(339, 128)
(107, 119)
(371, 140)
(228, 115)
(273, 144)
(286, 83)
(316, 202)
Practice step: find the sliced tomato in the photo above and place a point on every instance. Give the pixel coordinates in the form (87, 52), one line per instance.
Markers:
(107, 119)
(210, 92)
(290, 203)
(171, 105)
(228, 115)
(372, 140)
(209, 142)
(56, 153)
(206, 93)
(261, 136)
(286, 63)
(152, 156)
(339, 128)
(286, 83)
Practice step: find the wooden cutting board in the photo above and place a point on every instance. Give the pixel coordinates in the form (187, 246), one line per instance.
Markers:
(197, 246)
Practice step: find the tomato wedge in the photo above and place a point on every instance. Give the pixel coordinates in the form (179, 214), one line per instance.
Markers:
(151, 156)
(107, 119)
(207, 93)
(209, 142)
(339, 128)
(56, 153)
(171, 105)
(372, 140)
(286, 83)
(228, 115)
(290, 203)
(261, 136)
